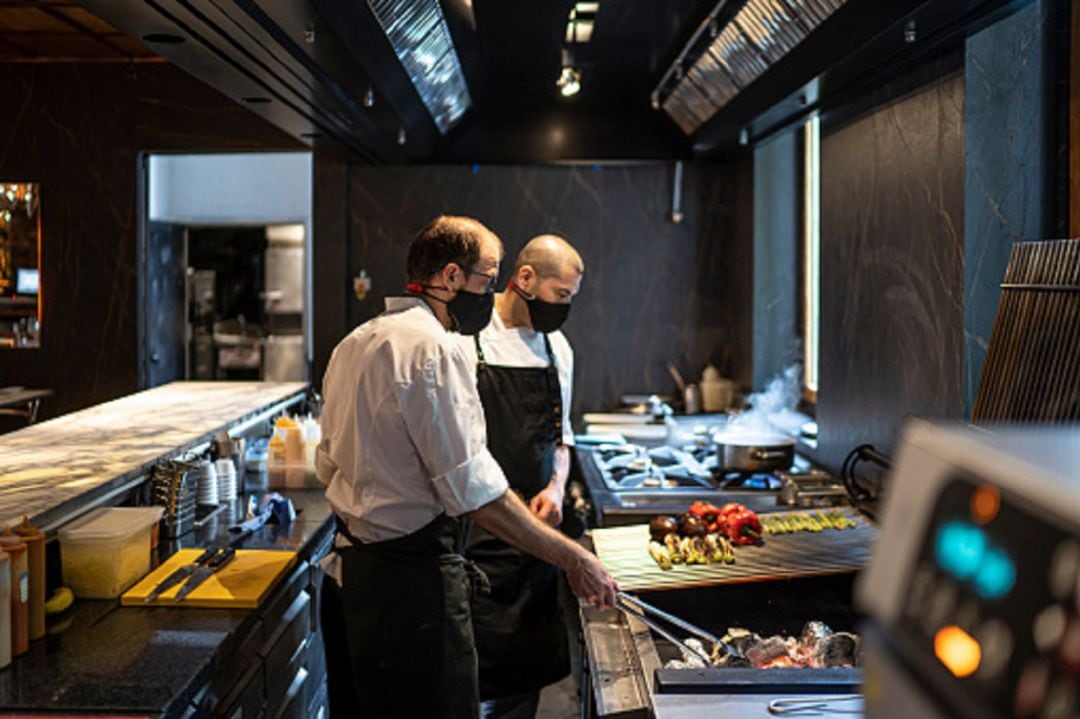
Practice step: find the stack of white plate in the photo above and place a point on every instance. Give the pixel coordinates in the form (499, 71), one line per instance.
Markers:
(226, 474)
(208, 493)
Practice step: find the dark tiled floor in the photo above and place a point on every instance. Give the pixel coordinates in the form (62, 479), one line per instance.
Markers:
(560, 700)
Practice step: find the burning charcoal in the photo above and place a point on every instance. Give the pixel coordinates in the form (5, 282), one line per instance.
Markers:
(740, 639)
(838, 650)
(767, 650)
(732, 661)
(814, 632)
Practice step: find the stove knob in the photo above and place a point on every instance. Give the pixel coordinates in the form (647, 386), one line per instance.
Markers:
(1064, 569)
(996, 642)
(1060, 700)
(1049, 627)
(1031, 688)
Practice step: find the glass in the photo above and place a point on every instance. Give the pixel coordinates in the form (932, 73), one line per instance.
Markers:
(20, 232)
(491, 279)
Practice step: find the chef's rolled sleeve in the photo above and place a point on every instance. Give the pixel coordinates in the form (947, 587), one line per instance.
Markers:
(442, 412)
(470, 486)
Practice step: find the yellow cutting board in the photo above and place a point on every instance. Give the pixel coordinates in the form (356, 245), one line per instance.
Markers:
(241, 584)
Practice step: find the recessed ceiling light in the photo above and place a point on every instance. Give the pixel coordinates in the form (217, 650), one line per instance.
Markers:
(163, 38)
(256, 100)
(587, 7)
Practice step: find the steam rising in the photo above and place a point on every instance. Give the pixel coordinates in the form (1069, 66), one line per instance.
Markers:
(769, 408)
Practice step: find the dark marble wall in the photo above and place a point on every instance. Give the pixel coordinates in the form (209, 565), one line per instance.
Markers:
(1008, 156)
(892, 277)
(78, 129)
(654, 291)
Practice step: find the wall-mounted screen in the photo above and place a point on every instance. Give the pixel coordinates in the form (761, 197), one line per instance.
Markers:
(26, 281)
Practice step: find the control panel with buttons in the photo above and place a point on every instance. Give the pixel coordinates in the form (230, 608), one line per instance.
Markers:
(978, 598)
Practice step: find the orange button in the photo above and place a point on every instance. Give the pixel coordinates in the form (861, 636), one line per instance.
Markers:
(957, 650)
(985, 503)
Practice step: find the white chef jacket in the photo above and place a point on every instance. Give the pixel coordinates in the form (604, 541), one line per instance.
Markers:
(524, 347)
(403, 431)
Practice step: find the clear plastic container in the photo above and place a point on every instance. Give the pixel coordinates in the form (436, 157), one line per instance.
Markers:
(108, 550)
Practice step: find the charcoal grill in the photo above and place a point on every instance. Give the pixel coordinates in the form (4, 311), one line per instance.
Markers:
(626, 659)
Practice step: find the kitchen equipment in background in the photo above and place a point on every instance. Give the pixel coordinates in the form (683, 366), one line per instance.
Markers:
(105, 552)
(243, 583)
(226, 477)
(972, 589)
(717, 393)
(625, 552)
(862, 486)
(239, 346)
(284, 358)
(174, 485)
(1030, 370)
(209, 493)
(753, 451)
(283, 301)
(812, 488)
(626, 662)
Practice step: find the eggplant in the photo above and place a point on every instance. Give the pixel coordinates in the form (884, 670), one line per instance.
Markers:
(691, 526)
(662, 526)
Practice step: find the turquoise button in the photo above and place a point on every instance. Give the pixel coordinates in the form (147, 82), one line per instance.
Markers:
(996, 575)
(960, 548)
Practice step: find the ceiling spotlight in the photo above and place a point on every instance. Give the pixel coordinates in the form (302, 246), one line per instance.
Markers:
(309, 35)
(401, 137)
(911, 33)
(369, 98)
(569, 82)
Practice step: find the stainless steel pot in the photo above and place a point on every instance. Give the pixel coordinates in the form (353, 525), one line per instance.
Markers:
(754, 451)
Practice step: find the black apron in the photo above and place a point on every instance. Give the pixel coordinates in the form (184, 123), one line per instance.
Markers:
(519, 628)
(406, 608)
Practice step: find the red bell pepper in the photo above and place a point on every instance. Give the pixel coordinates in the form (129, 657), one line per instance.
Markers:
(743, 528)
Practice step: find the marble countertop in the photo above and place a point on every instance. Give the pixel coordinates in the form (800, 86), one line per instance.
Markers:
(101, 657)
(49, 468)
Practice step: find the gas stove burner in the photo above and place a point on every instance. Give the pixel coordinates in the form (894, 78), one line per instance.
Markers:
(634, 467)
(750, 480)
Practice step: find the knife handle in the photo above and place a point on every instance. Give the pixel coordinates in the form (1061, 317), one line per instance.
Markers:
(221, 558)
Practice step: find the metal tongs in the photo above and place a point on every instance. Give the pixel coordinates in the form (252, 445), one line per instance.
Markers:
(636, 607)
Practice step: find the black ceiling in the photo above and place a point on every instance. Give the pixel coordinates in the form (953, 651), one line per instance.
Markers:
(310, 63)
(519, 46)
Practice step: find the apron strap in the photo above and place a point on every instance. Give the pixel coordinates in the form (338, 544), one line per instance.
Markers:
(480, 361)
(556, 392)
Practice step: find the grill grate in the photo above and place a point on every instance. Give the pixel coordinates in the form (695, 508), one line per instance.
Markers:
(624, 551)
(1032, 369)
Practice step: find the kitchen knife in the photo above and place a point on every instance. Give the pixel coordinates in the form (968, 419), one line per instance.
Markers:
(200, 575)
(180, 575)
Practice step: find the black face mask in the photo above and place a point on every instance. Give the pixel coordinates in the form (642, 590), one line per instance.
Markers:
(544, 316)
(469, 311)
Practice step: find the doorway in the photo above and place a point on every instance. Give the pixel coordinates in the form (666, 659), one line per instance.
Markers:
(225, 268)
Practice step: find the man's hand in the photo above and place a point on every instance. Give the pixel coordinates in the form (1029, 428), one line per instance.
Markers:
(591, 582)
(511, 521)
(547, 505)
